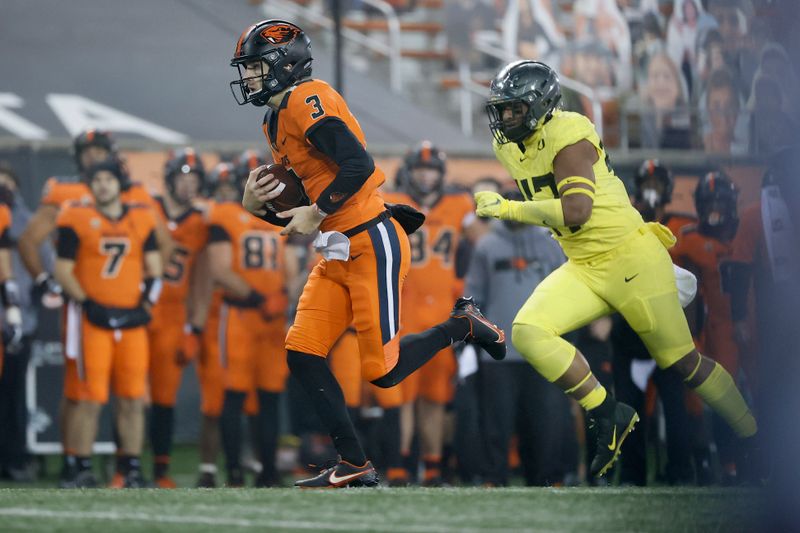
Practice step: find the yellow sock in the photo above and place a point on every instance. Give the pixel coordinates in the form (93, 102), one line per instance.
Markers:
(594, 398)
(720, 393)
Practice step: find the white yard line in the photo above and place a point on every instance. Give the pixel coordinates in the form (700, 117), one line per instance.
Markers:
(115, 516)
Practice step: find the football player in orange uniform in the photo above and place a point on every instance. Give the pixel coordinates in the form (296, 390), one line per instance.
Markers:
(222, 185)
(91, 146)
(250, 261)
(702, 248)
(429, 288)
(312, 132)
(178, 318)
(109, 266)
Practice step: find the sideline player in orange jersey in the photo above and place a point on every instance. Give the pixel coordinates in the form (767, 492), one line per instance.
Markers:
(429, 288)
(249, 259)
(702, 248)
(9, 292)
(109, 266)
(179, 316)
(222, 186)
(90, 147)
(312, 132)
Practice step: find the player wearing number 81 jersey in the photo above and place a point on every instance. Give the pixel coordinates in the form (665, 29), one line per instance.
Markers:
(251, 262)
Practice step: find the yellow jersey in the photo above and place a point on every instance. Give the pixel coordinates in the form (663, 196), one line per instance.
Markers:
(613, 217)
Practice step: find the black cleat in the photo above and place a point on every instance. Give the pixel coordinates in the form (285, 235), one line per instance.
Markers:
(481, 332)
(207, 480)
(752, 464)
(134, 479)
(235, 478)
(340, 474)
(611, 433)
(83, 479)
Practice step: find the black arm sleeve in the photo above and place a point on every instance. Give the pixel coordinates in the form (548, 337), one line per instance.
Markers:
(67, 243)
(217, 233)
(5, 239)
(271, 217)
(150, 243)
(333, 138)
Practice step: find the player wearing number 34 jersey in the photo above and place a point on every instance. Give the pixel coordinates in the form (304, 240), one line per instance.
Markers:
(616, 261)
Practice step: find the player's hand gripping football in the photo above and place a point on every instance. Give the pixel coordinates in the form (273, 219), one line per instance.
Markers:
(259, 190)
(305, 220)
(491, 204)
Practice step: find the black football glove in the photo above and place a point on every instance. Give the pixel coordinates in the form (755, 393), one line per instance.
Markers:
(252, 300)
(47, 292)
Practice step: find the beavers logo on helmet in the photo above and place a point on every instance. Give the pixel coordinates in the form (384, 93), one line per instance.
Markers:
(279, 34)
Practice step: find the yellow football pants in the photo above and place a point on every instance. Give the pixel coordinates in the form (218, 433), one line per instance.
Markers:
(636, 279)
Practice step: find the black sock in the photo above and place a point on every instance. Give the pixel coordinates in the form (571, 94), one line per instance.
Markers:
(390, 434)
(418, 349)
(268, 430)
(230, 424)
(126, 463)
(606, 408)
(161, 423)
(84, 463)
(316, 378)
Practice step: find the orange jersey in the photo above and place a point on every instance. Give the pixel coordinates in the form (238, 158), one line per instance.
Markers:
(432, 278)
(108, 254)
(676, 221)
(258, 248)
(189, 232)
(703, 255)
(303, 108)
(57, 192)
(5, 227)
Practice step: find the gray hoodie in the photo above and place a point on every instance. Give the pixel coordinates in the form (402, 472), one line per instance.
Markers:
(506, 266)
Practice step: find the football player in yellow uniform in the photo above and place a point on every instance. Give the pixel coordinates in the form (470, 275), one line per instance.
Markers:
(616, 261)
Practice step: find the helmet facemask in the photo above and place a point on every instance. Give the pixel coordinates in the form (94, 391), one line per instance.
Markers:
(241, 86)
(526, 117)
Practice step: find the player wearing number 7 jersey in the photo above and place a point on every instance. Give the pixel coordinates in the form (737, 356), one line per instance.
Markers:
(109, 266)
(311, 130)
(616, 261)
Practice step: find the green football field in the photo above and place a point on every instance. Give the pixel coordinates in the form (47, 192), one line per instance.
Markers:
(396, 510)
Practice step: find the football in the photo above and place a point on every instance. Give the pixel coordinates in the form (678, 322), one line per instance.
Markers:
(291, 189)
